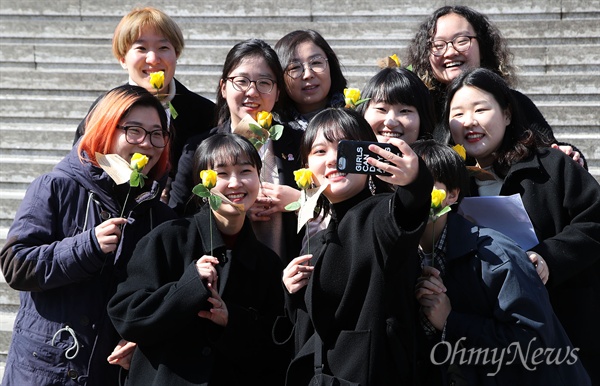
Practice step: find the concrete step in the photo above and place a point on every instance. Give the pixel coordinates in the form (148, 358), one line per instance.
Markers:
(206, 81)
(47, 57)
(215, 31)
(288, 8)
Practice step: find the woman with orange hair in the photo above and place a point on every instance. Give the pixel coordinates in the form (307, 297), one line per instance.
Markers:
(71, 240)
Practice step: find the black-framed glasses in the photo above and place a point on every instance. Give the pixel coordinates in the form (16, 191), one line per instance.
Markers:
(460, 44)
(241, 83)
(317, 65)
(134, 135)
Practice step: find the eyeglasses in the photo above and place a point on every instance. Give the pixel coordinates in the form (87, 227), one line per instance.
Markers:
(460, 44)
(241, 83)
(134, 135)
(296, 69)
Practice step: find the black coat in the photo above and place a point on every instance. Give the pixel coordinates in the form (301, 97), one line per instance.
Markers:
(360, 298)
(563, 203)
(157, 306)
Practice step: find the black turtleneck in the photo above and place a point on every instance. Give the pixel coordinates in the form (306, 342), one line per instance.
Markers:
(339, 210)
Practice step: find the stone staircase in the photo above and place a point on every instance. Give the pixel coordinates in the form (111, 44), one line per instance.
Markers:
(55, 59)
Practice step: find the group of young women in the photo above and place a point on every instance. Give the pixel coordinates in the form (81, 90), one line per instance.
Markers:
(117, 286)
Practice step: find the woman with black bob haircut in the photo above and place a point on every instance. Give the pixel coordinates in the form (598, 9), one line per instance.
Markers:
(202, 292)
(399, 86)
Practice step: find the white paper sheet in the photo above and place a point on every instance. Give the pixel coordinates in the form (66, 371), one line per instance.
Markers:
(506, 214)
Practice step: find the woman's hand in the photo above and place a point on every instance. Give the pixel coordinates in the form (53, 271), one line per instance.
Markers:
(122, 354)
(218, 314)
(206, 269)
(108, 233)
(568, 150)
(297, 274)
(431, 295)
(272, 199)
(403, 169)
(540, 266)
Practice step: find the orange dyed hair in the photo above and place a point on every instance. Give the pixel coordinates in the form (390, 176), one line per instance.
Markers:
(102, 121)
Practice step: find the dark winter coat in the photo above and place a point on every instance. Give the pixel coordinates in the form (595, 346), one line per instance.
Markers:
(499, 305)
(157, 307)
(360, 298)
(53, 257)
(563, 203)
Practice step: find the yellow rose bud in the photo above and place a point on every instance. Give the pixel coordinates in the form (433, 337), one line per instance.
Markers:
(395, 59)
(138, 161)
(437, 197)
(157, 79)
(303, 178)
(460, 149)
(264, 119)
(351, 95)
(209, 178)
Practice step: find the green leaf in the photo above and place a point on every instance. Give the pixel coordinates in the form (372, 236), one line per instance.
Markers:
(444, 211)
(409, 67)
(257, 143)
(174, 112)
(257, 130)
(293, 206)
(275, 132)
(215, 202)
(134, 180)
(201, 190)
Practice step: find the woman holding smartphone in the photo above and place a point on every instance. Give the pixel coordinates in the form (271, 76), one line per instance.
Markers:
(350, 296)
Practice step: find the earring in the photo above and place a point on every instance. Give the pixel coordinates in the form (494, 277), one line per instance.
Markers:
(371, 185)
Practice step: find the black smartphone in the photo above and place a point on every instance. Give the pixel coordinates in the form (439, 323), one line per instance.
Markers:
(352, 156)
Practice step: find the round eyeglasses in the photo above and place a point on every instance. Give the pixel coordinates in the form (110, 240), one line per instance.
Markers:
(134, 135)
(296, 69)
(460, 44)
(241, 83)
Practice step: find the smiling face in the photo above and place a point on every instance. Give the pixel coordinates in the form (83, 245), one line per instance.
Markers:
(393, 121)
(322, 161)
(151, 52)
(448, 66)
(240, 183)
(478, 123)
(309, 92)
(242, 103)
(146, 117)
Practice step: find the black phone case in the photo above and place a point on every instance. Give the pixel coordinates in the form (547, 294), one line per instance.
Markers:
(352, 157)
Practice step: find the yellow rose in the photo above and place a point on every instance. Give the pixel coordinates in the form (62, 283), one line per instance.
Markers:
(437, 197)
(395, 59)
(209, 178)
(157, 79)
(303, 178)
(351, 95)
(264, 119)
(138, 161)
(460, 149)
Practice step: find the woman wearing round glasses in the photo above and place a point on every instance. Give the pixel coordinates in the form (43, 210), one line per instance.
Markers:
(455, 38)
(313, 77)
(71, 240)
(250, 83)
